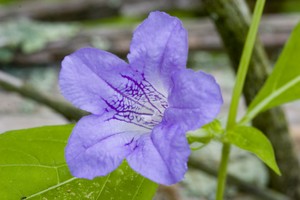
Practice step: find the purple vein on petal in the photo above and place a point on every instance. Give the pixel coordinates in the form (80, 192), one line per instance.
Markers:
(139, 103)
(123, 120)
(146, 95)
(122, 94)
(124, 111)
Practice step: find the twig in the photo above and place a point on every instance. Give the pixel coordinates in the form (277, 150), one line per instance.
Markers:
(60, 10)
(10, 83)
(69, 10)
(274, 32)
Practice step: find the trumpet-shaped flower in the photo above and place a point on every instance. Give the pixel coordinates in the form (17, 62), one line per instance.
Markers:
(139, 111)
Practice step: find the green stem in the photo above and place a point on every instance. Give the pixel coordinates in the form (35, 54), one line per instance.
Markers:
(237, 91)
(244, 63)
(223, 171)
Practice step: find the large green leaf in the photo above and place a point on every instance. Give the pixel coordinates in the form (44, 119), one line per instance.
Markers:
(283, 85)
(253, 140)
(32, 165)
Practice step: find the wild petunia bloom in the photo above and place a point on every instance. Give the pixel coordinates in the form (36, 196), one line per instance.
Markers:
(139, 111)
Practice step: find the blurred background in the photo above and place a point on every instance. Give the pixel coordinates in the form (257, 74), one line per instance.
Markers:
(36, 35)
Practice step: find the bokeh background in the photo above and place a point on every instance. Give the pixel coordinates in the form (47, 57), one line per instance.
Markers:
(36, 35)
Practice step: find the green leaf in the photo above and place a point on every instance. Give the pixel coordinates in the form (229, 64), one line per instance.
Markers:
(283, 85)
(206, 133)
(254, 141)
(32, 165)
(214, 127)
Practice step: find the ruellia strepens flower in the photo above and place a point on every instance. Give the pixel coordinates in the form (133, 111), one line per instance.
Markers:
(140, 110)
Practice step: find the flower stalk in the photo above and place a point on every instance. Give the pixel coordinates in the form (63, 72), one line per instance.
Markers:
(237, 91)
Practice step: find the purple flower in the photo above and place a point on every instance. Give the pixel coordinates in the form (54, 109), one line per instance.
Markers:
(139, 111)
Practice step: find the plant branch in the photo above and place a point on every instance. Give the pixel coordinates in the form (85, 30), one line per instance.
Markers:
(12, 84)
(244, 63)
(237, 91)
(232, 22)
(274, 32)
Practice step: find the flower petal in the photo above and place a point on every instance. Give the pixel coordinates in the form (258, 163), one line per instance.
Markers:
(159, 47)
(195, 99)
(86, 76)
(161, 156)
(100, 86)
(97, 146)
